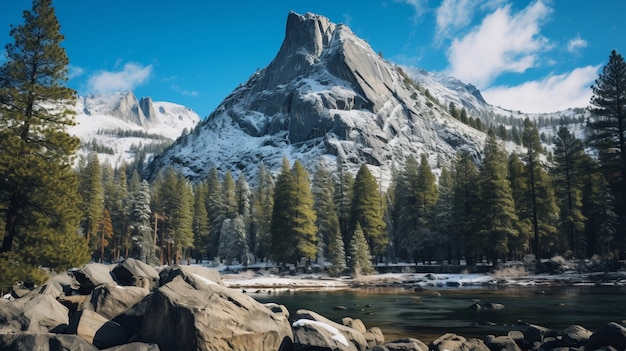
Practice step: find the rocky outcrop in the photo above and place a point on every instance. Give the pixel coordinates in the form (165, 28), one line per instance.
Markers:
(179, 316)
(326, 93)
(189, 308)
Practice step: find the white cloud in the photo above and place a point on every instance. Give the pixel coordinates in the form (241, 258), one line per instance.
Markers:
(191, 93)
(575, 45)
(74, 71)
(131, 76)
(551, 94)
(503, 42)
(420, 7)
(452, 15)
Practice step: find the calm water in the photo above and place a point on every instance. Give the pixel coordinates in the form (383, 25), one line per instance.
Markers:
(400, 313)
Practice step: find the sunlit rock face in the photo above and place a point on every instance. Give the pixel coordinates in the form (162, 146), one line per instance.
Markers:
(325, 94)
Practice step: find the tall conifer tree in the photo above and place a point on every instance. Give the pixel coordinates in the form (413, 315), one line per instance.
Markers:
(38, 188)
(606, 132)
(367, 210)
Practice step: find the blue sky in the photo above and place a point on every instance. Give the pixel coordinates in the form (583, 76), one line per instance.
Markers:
(533, 56)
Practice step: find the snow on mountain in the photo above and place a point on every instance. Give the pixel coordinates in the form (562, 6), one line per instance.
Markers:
(117, 125)
(325, 94)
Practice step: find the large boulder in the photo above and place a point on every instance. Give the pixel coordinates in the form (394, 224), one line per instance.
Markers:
(29, 341)
(409, 344)
(612, 334)
(111, 300)
(576, 335)
(180, 317)
(314, 335)
(134, 346)
(501, 343)
(456, 342)
(195, 276)
(97, 329)
(353, 336)
(59, 285)
(536, 333)
(92, 275)
(134, 272)
(34, 313)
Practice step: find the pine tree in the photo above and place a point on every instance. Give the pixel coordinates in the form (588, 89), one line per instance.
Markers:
(541, 195)
(465, 195)
(92, 193)
(140, 228)
(282, 239)
(360, 257)
(606, 132)
(568, 153)
(403, 213)
(344, 185)
(426, 197)
(262, 213)
(39, 190)
(104, 233)
(327, 221)
(233, 242)
(200, 221)
(215, 208)
(499, 220)
(443, 216)
(231, 207)
(518, 179)
(303, 220)
(367, 210)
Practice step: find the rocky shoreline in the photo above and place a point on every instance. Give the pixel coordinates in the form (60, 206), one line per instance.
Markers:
(132, 306)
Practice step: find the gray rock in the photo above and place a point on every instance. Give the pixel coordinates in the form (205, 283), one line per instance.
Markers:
(97, 329)
(111, 300)
(136, 273)
(34, 313)
(356, 324)
(501, 343)
(276, 308)
(374, 336)
(29, 341)
(451, 341)
(59, 285)
(92, 275)
(535, 333)
(195, 276)
(134, 346)
(612, 334)
(352, 335)
(179, 317)
(576, 335)
(315, 335)
(409, 344)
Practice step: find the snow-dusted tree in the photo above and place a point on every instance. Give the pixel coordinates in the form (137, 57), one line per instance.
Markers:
(233, 242)
(215, 208)
(327, 222)
(92, 194)
(360, 261)
(263, 205)
(344, 183)
(140, 227)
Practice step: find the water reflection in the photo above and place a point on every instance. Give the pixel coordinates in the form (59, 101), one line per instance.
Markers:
(401, 313)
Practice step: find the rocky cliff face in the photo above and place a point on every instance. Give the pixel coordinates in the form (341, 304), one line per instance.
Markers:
(325, 94)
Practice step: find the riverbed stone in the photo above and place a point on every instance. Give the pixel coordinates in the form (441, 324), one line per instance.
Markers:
(452, 341)
(97, 329)
(29, 341)
(409, 344)
(91, 275)
(111, 300)
(180, 317)
(536, 333)
(356, 324)
(501, 343)
(611, 334)
(374, 336)
(133, 272)
(315, 335)
(576, 335)
(34, 313)
(353, 336)
(134, 346)
(196, 276)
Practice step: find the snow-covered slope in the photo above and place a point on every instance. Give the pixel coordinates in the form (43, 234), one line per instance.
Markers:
(325, 94)
(116, 125)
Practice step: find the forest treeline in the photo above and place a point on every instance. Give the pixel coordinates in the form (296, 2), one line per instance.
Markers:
(495, 205)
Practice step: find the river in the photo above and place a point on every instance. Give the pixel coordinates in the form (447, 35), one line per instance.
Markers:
(401, 313)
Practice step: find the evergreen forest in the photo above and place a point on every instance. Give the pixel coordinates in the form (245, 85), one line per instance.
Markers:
(486, 208)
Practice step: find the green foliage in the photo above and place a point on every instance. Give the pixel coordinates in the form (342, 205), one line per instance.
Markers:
(606, 130)
(367, 210)
(36, 152)
(263, 205)
(360, 261)
(328, 233)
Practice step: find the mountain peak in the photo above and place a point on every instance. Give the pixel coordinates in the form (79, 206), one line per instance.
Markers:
(325, 94)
